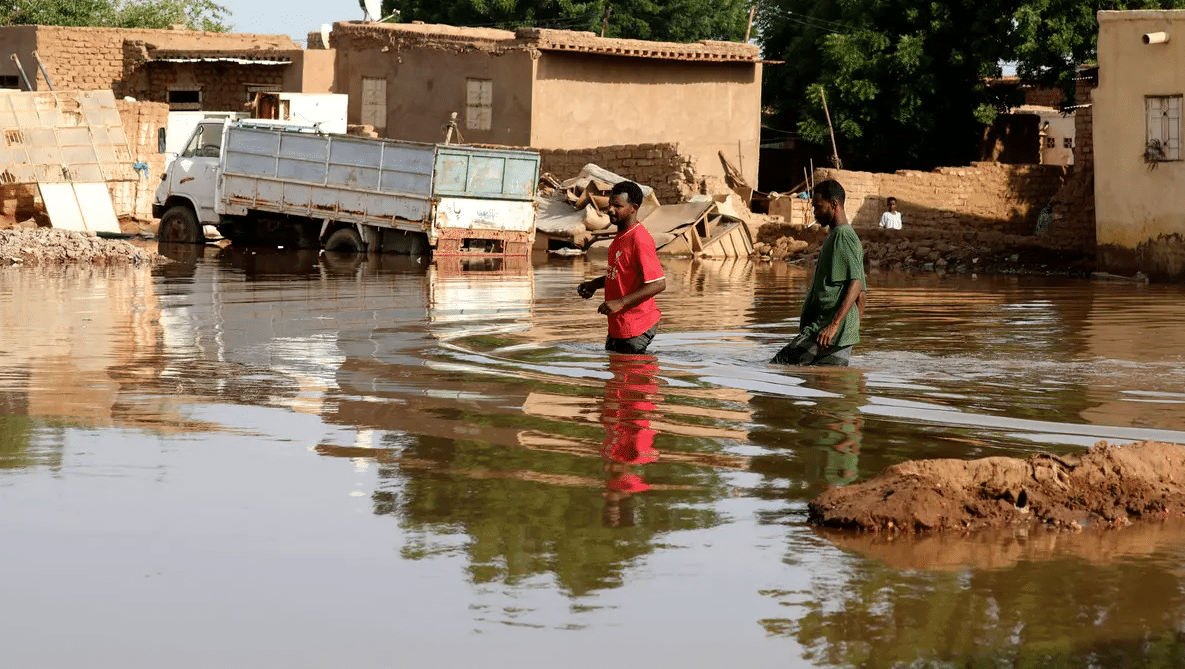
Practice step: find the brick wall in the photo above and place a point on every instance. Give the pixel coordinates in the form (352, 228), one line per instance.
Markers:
(81, 59)
(1073, 223)
(990, 196)
(672, 175)
(141, 123)
(86, 59)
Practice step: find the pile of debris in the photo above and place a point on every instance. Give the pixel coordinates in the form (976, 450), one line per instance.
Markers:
(572, 214)
(49, 246)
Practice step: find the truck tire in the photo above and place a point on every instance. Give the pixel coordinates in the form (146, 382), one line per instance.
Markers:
(344, 240)
(179, 225)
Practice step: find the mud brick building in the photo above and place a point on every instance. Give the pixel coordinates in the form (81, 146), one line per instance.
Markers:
(188, 70)
(1140, 161)
(558, 90)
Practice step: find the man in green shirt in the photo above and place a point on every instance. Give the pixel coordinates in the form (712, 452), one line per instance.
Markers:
(829, 325)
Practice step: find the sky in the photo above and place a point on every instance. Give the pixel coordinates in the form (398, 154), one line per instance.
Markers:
(296, 18)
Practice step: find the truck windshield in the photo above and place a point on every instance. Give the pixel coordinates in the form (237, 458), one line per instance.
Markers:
(206, 142)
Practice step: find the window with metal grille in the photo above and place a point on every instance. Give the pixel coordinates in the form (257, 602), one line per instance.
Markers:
(479, 104)
(1164, 124)
(374, 102)
(1067, 142)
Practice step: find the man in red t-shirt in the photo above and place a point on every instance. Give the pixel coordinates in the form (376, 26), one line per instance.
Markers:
(633, 279)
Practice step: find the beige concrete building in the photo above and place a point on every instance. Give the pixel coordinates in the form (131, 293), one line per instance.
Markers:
(1139, 167)
(189, 70)
(552, 89)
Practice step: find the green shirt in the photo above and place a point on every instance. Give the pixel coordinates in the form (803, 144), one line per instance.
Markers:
(840, 260)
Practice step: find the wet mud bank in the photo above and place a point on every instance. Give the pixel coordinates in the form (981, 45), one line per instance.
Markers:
(47, 246)
(1110, 486)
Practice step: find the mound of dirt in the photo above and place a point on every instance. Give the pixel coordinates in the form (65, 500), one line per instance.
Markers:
(48, 246)
(1110, 484)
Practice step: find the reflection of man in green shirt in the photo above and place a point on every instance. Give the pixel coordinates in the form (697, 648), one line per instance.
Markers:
(829, 326)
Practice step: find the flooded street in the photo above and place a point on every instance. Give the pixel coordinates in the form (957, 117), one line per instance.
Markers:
(275, 458)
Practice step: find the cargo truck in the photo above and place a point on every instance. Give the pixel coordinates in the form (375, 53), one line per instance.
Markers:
(285, 185)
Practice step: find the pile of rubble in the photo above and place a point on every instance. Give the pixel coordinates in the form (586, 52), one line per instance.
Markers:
(43, 246)
(954, 250)
(712, 224)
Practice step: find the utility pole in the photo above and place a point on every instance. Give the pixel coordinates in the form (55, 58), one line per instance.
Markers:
(605, 20)
(834, 151)
(749, 28)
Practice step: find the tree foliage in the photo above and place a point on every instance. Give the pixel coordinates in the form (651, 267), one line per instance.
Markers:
(663, 20)
(193, 14)
(905, 81)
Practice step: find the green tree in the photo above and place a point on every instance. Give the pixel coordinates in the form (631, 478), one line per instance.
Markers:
(663, 20)
(905, 81)
(194, 14)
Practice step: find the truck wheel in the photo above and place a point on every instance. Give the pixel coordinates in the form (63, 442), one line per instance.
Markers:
(345, 240)
(179, 225)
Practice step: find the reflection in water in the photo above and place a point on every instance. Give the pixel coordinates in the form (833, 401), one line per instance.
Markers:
(490, 441)
(1047, 599)
(629, 441)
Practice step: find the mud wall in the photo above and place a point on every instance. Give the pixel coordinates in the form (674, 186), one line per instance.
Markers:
(93, 58)
(18, 204)
(583, 99)
(1140, 221)
(670, 173)
(426, 81)
(988, 196)
(142, 122)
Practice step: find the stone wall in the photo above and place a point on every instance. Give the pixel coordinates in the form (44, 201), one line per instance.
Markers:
(988, 196)
(142, 122)
(672, 175)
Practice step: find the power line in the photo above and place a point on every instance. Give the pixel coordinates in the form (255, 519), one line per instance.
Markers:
(805, 21)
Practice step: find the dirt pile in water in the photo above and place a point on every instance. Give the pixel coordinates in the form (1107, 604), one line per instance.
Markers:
(44, 246)
(1108, 485)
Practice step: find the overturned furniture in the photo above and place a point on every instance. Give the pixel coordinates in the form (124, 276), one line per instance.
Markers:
(68, 145)
(705, 226)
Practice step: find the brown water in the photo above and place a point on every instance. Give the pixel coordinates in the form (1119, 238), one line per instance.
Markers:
(274, 459)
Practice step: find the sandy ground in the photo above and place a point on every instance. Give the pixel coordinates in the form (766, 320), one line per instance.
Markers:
(1110, 485)
(44, 246)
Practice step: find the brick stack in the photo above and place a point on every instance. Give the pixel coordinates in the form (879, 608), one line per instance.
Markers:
(671, 174)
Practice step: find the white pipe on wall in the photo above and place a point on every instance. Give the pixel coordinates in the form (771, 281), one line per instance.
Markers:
(1156, 38)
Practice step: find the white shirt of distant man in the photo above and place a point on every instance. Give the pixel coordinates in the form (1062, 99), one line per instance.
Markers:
(891, 219)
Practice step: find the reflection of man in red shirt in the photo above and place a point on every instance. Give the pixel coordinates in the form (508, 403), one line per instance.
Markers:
(629, 441)
(633, 278)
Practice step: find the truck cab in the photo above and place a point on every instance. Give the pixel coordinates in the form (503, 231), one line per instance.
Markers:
(186, 198)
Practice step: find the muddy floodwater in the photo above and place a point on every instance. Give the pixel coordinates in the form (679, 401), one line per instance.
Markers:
(280, 459)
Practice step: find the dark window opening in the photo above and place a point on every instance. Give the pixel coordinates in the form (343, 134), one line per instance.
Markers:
(185, 96)
(10, 81)
(185, 100)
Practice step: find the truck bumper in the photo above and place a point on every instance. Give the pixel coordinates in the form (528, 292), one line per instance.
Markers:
(457, 242)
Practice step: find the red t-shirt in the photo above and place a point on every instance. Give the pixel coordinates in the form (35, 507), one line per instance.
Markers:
(633, 261)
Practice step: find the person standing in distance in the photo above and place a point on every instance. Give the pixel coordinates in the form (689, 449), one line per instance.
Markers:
(633, 278)
(891, 219)
(830, 322)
